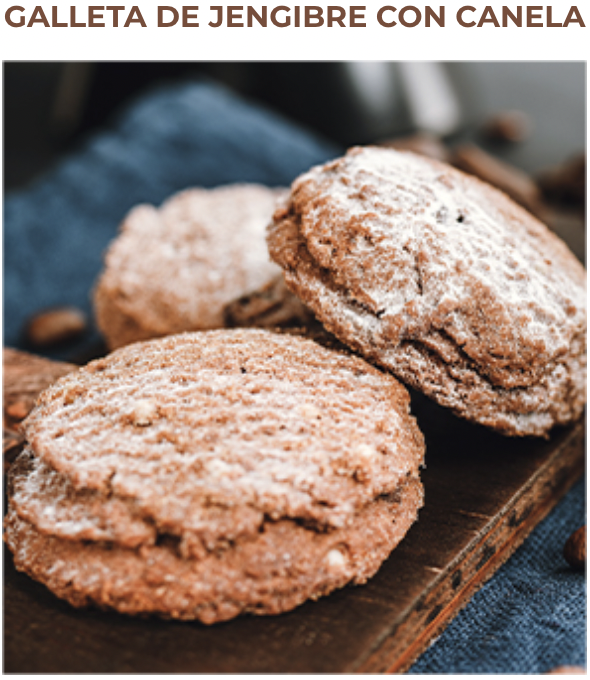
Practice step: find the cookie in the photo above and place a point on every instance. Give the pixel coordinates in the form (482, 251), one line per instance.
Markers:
(173, 269)
(442, 280)
(204, 475)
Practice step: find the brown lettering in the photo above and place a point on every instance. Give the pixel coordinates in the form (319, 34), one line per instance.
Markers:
(219, 9)
(460, 12)
(172, 22)
(440, 18)
(38, 17)
(94, 17)
(550, 23)
(574, 17)
(73, 23)
(402, 16)
(252, 14)
(234, 14)
(132, 19)
(531, 15)
(381, 20)
(313, 16)
(488, 17)
(115, 10)
(188, 16)
(54, 22)
(8, 16)
(517, 20)
(275, 21)
(331, 19)
(356, 14)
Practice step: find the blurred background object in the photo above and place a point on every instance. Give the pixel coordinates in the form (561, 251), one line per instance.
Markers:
(518, 125)
(49, 106)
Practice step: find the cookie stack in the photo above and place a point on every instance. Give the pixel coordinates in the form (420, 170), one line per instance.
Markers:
(206, 474)
(203, 475)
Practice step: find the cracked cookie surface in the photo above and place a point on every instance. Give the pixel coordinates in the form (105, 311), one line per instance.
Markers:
(231, 457)
(442, 280)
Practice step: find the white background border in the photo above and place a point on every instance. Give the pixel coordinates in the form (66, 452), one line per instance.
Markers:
(452, 42)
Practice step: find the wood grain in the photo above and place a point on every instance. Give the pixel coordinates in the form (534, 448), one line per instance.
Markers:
(484, 494)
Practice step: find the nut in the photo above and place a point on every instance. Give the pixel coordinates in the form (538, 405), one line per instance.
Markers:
(55, 326)
(574, 550)
(509, 126)
(568, 670)
(18, 410)
(145, 412)
(336, 560)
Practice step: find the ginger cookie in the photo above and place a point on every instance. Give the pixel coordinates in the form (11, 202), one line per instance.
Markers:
(207, 474)
(442, 280)
(173, 269)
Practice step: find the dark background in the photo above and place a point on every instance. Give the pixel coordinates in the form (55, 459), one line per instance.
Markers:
(50, 107)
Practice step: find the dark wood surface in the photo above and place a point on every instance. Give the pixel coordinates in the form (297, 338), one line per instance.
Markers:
(484, 494)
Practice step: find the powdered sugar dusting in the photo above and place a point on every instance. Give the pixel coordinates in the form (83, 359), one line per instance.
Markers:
(394, 251)
(463, 227)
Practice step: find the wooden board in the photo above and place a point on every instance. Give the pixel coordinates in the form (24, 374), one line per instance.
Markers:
(484, 494)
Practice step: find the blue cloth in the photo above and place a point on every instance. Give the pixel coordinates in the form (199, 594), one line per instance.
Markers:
(531, 616)
(181, 136)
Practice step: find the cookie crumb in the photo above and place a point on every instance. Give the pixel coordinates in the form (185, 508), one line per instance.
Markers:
(309, 411)
(509, 126)
(54, 326)
(145, 412)
(366, 451)
(18, 410)
(335, 559)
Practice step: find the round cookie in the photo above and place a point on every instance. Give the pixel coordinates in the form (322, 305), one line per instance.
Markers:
(442, 280)
(207, 474)
(173, 269)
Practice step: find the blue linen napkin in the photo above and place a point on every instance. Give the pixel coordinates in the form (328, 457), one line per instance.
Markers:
(198, 134)
(532, 615)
